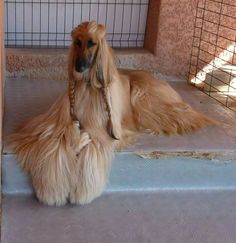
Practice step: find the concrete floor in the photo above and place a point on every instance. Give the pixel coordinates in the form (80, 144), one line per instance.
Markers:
(27, 98)
(171, 200)
(180, 217)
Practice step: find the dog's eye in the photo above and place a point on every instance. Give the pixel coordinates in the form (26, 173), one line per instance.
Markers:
(90, 43)
(78, 42)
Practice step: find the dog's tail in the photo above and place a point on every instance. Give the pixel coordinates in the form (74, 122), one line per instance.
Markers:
(159, 109)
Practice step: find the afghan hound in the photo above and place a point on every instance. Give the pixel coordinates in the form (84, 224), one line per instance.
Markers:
(68, 150)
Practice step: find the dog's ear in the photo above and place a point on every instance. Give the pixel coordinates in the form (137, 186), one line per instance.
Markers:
(105, 66)
(102, 64)
(102, 73)
(104, 60)
(102, 57)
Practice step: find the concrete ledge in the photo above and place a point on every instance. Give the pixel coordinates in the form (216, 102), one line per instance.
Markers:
(52, 63)
(131, 172)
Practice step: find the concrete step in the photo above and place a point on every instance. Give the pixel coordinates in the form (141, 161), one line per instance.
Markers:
(133, 173)
(204, 160)
(161, 189)
(163, 217)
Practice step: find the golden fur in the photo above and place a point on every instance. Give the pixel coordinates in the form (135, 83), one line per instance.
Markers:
(69, 163)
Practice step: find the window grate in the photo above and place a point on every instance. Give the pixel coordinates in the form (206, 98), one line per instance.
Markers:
(213, 56)
(48, 24)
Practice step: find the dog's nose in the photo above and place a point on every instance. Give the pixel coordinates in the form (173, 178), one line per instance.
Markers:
(81, 65)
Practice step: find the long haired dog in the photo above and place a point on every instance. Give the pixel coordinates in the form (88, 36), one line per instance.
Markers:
(68, 150)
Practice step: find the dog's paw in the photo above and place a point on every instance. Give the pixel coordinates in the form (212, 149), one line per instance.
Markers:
(84, 195)
(78, 198)
(51, 193)
(93, 167)
(51, 198)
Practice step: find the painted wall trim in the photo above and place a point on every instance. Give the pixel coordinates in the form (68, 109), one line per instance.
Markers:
(150, 40)
(2, 72)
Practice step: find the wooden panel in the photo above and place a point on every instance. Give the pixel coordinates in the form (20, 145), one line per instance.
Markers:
(2, 67)
(150, 41)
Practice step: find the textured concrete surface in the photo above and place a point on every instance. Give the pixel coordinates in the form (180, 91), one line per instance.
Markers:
(183, 203)
(172, 29)
(27, 98)
(193, 217)
(52, 63)
(175, 35)
(131, 172)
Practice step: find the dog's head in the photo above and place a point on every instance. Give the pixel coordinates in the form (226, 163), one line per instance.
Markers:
(91, 61)
(89, 55)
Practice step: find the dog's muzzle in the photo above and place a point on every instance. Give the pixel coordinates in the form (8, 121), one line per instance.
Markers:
(81, 65)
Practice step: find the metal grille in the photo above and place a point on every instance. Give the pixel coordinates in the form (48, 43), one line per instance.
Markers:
(213, 61)
(48, 23)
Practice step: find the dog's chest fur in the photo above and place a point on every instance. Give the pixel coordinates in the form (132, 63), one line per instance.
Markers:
(90, 107)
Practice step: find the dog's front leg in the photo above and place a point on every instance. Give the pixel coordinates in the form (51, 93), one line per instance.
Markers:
(54, 170)
(93, 163)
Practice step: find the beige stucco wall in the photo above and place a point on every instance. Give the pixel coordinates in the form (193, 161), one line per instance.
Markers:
(170, 29)
(174, 36)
